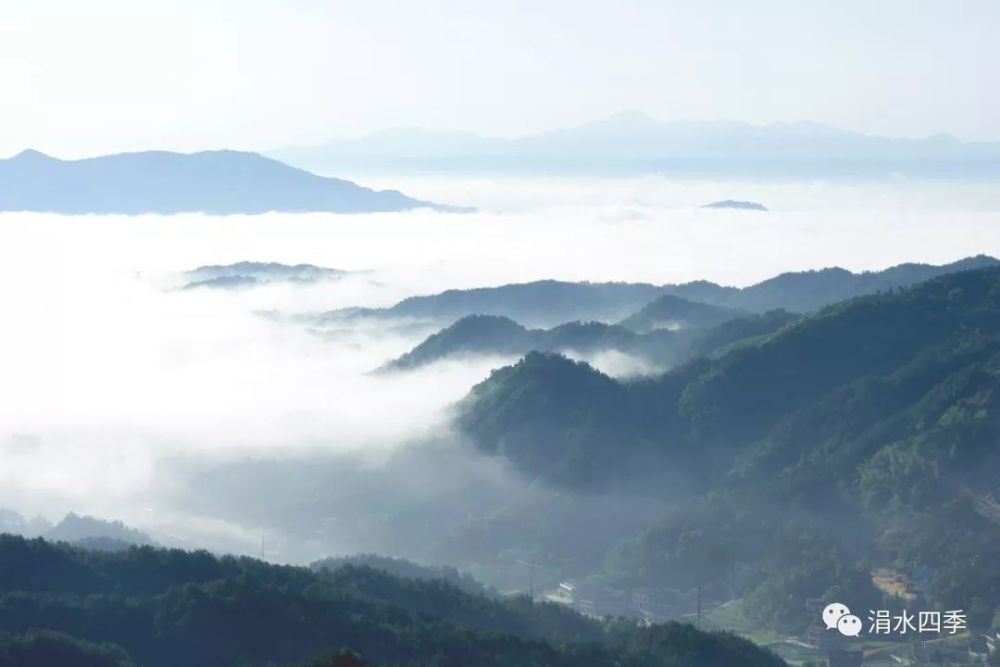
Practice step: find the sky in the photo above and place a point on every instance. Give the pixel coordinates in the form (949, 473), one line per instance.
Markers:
(84, 78)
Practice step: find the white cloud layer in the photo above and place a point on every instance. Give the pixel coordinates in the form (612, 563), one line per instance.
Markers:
(107, 372)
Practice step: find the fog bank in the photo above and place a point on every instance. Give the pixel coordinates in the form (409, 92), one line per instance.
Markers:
(114, 380)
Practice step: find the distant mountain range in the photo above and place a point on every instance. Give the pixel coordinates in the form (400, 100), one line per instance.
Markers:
(549, 303)
(81, 530)
(545, 303)
(215, 182)
(667, 330)
(739, 205)
(805, 291)
(76, 528)
(248, 274)
(632, 142)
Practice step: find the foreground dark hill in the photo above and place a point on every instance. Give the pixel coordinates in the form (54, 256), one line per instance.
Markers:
(157, 607)
(547, 303)
(866, 433)
(216, 182)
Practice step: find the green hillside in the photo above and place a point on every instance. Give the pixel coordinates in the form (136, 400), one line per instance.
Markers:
(865, 434)
(67, 606)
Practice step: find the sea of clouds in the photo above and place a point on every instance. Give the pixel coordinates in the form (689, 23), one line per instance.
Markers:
(110, 375)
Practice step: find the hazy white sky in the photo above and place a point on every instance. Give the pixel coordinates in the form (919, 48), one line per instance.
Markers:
(85, 77)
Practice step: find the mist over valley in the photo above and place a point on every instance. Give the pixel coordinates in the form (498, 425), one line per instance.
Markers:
(559, 390)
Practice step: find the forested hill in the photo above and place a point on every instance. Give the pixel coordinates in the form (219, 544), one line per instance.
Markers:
(805, 291)
(246, 274)
(867, 432)
(673, 312)
(572, 408)
(544, 303)
(657, 347)
(493, 335)
(156, 607)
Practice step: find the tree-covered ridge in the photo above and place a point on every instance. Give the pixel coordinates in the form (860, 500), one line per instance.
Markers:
(548, 303)
(807, 291)
(495, 335)
(74, 528)
(45, 648)
(740, 331)
(85, 531)
(241, 274)
(673, 312)
(869, 336)
(723, 399)
(702, 330)
(404, 569)
(543, 303)
(555, 419)
(474, 334)
(865, 434)
(167, 607)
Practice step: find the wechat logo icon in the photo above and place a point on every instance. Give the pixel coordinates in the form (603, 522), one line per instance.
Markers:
(838, 617)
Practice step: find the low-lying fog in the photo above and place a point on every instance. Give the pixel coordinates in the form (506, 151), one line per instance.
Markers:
(123, 397)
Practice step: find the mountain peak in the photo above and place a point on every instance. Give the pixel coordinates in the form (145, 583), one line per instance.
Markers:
(163, 182)
(31, 154)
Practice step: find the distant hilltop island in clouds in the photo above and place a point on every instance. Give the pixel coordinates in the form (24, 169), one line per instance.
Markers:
(250, 274)
(631, 142)
(732, 203)
(159, 182)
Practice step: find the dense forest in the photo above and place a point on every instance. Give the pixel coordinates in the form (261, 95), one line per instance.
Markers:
(783, 460)
(70, 606)
(795, 461)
